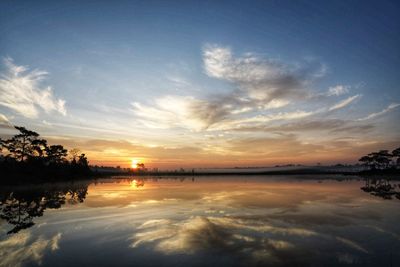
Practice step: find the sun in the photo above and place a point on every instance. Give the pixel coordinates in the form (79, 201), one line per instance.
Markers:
(134, 163)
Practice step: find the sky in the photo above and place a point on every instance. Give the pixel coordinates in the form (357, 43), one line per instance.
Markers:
(203, 83)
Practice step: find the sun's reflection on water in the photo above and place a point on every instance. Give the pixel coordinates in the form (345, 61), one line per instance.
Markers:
(136, 183)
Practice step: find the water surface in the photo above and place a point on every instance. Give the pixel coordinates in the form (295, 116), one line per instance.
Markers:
(201, 221)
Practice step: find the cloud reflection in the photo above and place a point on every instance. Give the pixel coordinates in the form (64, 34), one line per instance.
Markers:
(247, 239)
(24, 247)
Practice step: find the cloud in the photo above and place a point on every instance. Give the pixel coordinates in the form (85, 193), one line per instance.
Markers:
(220, 63)
(21, 92)
(194, 114)
(351, 244)
(260, 79)
(173, 111)
(380, 113)
(338, 90)
(3, 119)
(278, 116)
(178, 81)
(5, 122)
(309, 125)
(345, 102)
(185, 112)
(260, 121)
(260, 84)
(277, 146)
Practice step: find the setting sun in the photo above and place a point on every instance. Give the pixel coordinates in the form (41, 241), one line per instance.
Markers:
(134, 163)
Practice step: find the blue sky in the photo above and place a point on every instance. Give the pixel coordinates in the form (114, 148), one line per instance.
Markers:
(157, 79)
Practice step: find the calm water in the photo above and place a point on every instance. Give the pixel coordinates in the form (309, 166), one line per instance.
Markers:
(205, 221)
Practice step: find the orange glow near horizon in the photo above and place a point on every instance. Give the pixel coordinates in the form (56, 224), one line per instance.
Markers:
(171, 159)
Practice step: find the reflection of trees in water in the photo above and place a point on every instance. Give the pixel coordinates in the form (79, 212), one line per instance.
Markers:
(19, 207)
(381, 187)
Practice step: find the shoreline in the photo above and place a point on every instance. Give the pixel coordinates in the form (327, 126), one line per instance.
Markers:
(19, 179)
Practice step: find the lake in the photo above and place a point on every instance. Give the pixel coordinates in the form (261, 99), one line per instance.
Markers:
(202, 221)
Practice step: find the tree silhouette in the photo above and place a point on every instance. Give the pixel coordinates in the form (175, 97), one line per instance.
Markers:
(382, 159)
(56, 154)
(39, 147)
(141, 168)
(1, 146)
(396, 154)
(21, 146)
(26, 157)
(82, 161)
(74, 154)
(367, 161)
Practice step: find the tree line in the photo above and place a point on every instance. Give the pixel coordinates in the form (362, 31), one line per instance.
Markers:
(26, 153)
(382, 160)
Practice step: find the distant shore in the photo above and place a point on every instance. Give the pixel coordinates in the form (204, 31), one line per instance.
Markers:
(204, 172)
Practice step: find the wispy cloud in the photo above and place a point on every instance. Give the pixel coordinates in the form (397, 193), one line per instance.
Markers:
(259, 78)
(260, 121)
(172, 112)
(194, 114)
(20, 91)
(178, 81)
(345, 102)
(338, 90)
(3, 119)
(380, 113)
(5, 122)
